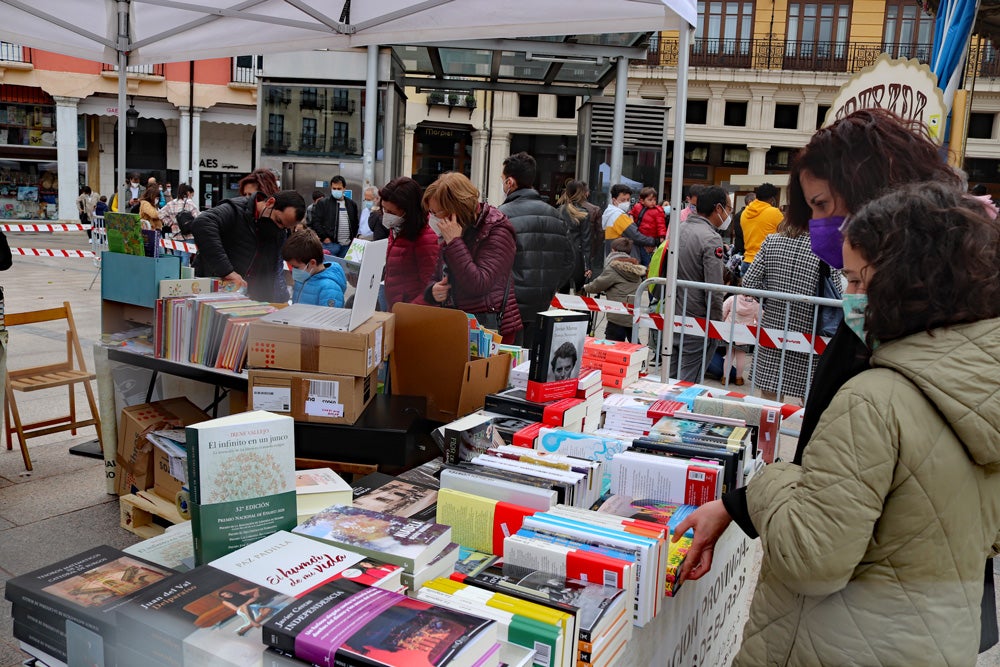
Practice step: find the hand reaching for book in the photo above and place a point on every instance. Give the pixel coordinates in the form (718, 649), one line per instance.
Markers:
(709, 522)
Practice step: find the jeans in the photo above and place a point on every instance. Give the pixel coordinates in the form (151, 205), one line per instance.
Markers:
(614, 331)
(336, 249)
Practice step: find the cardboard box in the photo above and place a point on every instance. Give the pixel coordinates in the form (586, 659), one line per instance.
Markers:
(317, 398)
(135, 455)
(165, 485)
(357, 353)
(433, 361)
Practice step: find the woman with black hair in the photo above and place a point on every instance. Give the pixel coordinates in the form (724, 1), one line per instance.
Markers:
(413, 245)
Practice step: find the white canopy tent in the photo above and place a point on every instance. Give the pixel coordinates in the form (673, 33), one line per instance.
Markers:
(130, 32)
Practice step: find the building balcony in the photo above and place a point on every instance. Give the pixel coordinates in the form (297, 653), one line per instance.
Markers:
(277, 142)
(14, 53)
(343, 145)
(341, 105)
(312, 143)
(142, 70)
(246, 69)
(780, 54)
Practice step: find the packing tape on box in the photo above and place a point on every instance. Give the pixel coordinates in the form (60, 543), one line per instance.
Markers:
(309, 349)
(182, 501)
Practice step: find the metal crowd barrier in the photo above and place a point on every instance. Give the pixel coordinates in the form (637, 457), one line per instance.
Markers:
(784, 339)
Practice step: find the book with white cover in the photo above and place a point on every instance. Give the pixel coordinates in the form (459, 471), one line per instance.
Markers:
(318, 488)
(538, 498)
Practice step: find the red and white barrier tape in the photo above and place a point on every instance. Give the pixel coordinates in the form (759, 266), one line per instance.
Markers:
(72, 227)
(44, 252)
(742, 334)
(179, 245)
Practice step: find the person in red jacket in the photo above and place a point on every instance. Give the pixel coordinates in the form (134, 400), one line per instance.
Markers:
(477, 257)
(650, 220)
(413, 245)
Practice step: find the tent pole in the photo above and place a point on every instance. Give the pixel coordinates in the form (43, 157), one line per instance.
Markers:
(676, 184)
(122, 47)
(618, 129)
(371, 116)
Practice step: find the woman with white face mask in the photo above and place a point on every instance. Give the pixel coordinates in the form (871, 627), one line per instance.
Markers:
(413, 245)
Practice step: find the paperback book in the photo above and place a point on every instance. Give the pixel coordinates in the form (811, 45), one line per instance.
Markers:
(343, 623)
(410, 543)
(384, 493)
(480, 523)
(317, 489)
(241, 478)
(558, 345)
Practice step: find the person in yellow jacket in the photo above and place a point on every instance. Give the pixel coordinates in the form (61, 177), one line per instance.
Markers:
(759, 220)
(619, 223)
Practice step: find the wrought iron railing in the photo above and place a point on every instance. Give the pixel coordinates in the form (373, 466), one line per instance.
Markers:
(277, 142)
(781, 54)
(312, 143)
(14, 53)
(150, 70)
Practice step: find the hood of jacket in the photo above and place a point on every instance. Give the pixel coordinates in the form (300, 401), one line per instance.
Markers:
(956, 369)
(757, 208)
(628, 267)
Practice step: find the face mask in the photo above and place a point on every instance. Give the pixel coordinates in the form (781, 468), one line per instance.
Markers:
(666, 211)
(337, 194)
(725, 223)
(854, 313)
(826, 240)
(393, 222)
(369, 203)
(435, 223)
(625, 206)
(300, 275)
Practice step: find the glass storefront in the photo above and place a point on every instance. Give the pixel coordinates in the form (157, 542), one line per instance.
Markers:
(28, 125)
(440, 149)
(29, 189)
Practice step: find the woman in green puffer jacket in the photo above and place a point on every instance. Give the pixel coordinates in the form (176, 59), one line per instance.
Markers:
(874, 545)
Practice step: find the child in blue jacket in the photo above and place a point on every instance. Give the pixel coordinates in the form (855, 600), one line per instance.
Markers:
(317, 282)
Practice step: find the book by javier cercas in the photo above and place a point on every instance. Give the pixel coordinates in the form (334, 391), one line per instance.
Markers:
(241, 477)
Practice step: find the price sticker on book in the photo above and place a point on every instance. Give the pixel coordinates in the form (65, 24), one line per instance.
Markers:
(324, 399)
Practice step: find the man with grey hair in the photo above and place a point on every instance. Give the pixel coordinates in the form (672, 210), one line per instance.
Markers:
(369, 204)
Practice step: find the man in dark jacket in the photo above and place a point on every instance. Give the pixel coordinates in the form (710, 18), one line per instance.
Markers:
(240, 240)
(335, 219)
(545, 257)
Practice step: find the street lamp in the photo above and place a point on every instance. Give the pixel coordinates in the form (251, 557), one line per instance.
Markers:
(131, 117)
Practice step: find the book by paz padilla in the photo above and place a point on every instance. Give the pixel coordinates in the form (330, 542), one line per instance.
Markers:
(241, 476)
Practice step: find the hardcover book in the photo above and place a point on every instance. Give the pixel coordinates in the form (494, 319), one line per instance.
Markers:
(343, 623)
(384, 493)
(206, 617)
(407, 542)
(558, 345)
(85, 589)
(241, 478)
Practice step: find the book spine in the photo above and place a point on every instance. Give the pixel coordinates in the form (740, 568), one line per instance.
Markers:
(452, 439)
(43, 605)
(511, 408)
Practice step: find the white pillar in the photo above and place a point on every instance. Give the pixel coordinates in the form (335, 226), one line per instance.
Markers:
(405, 167)
(184, 141)
(479, 138)
(196, 152)
(758, 159)
(68, 158)
(618, 126)
(371, 109)
(499, 152)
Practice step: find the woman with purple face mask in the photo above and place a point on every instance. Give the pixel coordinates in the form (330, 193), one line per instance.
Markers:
(843, 167)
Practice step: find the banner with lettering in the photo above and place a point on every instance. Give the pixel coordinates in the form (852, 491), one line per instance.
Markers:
(906, 87)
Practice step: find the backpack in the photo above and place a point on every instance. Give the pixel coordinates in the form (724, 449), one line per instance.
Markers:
(184, 219)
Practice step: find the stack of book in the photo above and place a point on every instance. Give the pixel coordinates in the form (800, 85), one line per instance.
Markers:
(619, 362)
(214, 614)
(583, 544)
(208, 329)
(68, 608)
(600, 618)
(565, 413)
(591, 446)
(591, 392)
(635, 415)
(423, 549)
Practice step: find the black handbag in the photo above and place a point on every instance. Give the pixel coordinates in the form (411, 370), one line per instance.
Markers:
(829, 317)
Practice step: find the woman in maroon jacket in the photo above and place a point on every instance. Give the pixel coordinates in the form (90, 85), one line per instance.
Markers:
(413, 245)
(474, 273)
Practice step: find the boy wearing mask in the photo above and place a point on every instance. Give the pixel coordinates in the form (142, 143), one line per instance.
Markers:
(317, 283)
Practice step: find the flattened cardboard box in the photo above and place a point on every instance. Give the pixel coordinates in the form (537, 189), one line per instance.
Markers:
(135, 456)
(312, 397)
(356, 353)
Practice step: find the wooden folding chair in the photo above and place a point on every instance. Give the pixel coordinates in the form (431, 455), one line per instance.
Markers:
(66, 373)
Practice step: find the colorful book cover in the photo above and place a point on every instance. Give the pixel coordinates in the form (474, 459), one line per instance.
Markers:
(380, 492)
(206, 617)
(346, 623)
(480, 523)
(407, 542)
(241, 477)
(85, 588)
(287, 563)
(469, 436)
(700, 432)
(124, 233)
